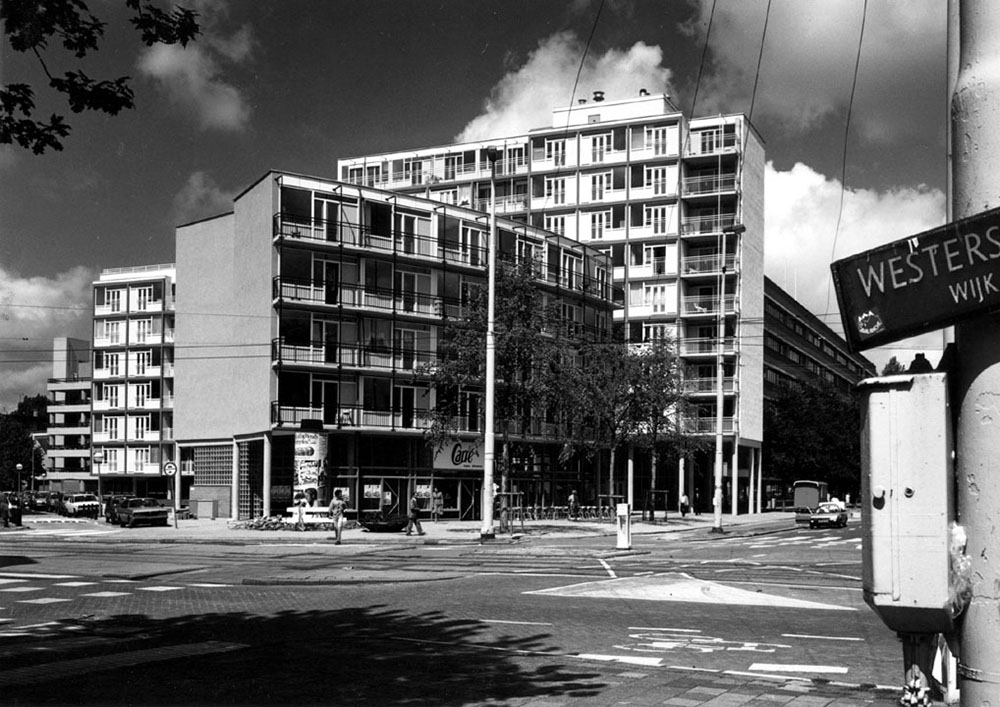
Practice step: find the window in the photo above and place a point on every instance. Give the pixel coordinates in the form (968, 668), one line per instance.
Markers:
(556, 224)
(555, 150)
(141, 458)
(110, 461)
(657, 296)
(356, 175)
(143, 359)
(599, 145)
(114, 300)
(111, 395)
(113, 332)
(373, 175)
(599, 184)
(112, 362)
(656, 256)
(657, 218)
(452, 166)
(109, 427)
(143, 296)
(599, 222)
(555, 189)
(143, 328)
(572, 271)
(657, 139)
(141, 394)
(657, 332)
(657, 177)
(413, 171)
(141, 426)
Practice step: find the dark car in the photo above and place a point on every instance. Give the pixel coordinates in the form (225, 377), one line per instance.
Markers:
(142, 511)
(828, 514)
(111, 506)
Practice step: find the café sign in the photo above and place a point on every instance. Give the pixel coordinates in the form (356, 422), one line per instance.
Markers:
(921, 283)
(459, 454)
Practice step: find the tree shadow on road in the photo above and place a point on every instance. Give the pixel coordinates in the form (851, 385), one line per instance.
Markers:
(360, 656)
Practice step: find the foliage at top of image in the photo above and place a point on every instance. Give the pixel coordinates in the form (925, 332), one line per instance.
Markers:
(29, 26)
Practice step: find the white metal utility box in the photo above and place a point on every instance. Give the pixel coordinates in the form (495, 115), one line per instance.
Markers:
(907, 500)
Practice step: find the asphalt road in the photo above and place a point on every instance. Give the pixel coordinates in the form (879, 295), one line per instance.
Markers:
(86, 621)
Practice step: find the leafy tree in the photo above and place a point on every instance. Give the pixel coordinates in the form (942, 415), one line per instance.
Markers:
(528, 359)
(32, 412)
(892, 367)
(812, 431)
(29, 26)
(16, 447)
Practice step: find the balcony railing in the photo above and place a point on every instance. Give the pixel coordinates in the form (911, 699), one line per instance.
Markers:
(696, 386)
(707, 425)
(709, 184)
(706, 304)
(706, 225)
(706, 346)
(706, 264)
(356, 355)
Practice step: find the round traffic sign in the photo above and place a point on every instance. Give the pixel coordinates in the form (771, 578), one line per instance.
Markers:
(170, 468)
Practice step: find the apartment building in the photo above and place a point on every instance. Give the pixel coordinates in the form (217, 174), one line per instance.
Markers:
(68, 390)
(306, 318)
(132, 391)
(678, 206)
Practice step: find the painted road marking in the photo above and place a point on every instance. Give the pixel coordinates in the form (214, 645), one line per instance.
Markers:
(779, 668)
(680, 587)
(74, 584)
(822, 638)
(43, 600)
(11, 581)
(671, 630)
(107, 594)
(607, 567)
(21, 589)
(28, 575)
(516, 623)
(630, 660)
(158, 589)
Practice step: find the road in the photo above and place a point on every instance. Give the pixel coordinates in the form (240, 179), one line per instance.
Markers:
(373, 623)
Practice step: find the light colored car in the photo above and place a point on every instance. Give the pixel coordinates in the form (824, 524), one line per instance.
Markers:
(146, 511)
(829, 514)
(82, 504)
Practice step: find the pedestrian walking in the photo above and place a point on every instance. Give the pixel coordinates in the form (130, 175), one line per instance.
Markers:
(4, 510)
(437, 504)
(574, 505)
(413, 516)
(684, 505)
(301, 502)
(337, 506)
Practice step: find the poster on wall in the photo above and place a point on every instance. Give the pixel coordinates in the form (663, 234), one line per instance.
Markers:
(459, 454)
(310, 460)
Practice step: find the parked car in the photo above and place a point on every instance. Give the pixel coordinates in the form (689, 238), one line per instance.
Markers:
(111, 506)
(828, 514)
(82, 504)
(135, 511)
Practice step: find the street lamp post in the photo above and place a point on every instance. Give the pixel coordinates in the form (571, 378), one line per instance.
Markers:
(489, 443)
(19, 467)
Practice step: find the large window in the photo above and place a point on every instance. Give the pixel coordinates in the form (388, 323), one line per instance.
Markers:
(599, 184)
(555, 190)
(600, 221)
(555, 150)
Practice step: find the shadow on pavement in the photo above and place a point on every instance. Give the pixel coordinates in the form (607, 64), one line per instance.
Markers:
(361, 656)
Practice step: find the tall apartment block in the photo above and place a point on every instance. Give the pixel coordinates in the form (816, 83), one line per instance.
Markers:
(68, 391)
(306, 318)
(677, 204)
(133, 379)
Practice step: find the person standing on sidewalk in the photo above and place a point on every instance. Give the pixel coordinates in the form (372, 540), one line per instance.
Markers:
(337, 506)
(437, 504)
(413, 516)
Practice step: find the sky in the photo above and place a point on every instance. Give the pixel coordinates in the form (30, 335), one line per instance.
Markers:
(856, 158)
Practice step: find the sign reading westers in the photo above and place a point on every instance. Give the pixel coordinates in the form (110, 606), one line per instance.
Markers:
(920, 283)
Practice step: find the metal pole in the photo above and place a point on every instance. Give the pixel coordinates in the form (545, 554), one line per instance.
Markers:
(486, 532)
(719, 393)
(975, 134)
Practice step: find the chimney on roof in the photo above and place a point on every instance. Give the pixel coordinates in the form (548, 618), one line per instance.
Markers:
(581, 101)
(643, 92)
(598, 96)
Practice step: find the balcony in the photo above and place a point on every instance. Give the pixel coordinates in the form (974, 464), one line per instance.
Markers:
(709, 385)
(706, 225)
(315, 292)
(709, 184)
(505, 204)
(704, 305)
(693, 266)
(712, 142)
(707, 425)
(319, 353)
(706, 346)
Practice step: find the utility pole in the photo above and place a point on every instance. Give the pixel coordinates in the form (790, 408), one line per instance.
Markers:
(489, 438)
(975, 123)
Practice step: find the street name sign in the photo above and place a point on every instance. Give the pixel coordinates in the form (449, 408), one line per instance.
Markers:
(921, 283)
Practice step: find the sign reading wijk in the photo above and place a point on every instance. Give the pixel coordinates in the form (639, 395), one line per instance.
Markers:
(459, 454)
(920, 283)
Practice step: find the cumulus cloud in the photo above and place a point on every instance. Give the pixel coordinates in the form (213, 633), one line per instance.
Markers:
(801, 213)
(201, 197)
(193, 77)
(525, 97)
(34, 310)
(809, 56)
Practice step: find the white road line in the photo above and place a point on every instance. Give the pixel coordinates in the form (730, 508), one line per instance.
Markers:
(103, 595)
(671, 630)
(822, 638)
(43, 600)
(516, 623)
(21, 589)
(158, 589)
(28, 575)
(779, 668)
(606, 566)
(630, 660)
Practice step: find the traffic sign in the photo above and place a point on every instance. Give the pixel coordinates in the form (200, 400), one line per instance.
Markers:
(920, 283)
(170, 468)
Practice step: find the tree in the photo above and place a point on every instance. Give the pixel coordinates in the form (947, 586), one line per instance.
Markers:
(529, 357)
(16, 447)
(892, 367)
(29, 26)
(32, 413)
(812, 431)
